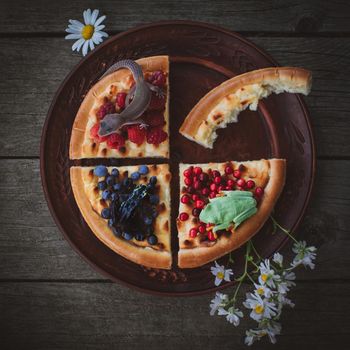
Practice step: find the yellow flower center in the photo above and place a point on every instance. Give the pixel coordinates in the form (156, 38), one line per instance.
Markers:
(259, 309)
(220, 275)
(260, 291)
(87, 31)
(264, 277)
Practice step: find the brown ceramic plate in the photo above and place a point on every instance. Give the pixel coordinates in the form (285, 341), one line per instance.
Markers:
(202, 56)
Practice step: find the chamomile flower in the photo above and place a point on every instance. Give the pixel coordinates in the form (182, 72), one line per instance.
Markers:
(261, 308)
(219, 300)
(232, 315)
(252, 335)
(262, 290)
(272, 329)
(287, 279)
(87, 34)
(267, 274)
(221, 273)
(278, 259)
(269, 328)
(304, 255)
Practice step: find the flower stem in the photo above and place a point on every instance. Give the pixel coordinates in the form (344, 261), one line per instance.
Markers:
(283, 229)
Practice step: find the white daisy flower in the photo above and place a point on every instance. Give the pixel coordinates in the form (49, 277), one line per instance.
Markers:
(261, 308)
(287, 279)
(252, 335)
(304, 255)
(221, 273)
(267, 274)
(278, 259)
(232, 315)
(272, 329)
(219, 300)
(269, 328)
(262, 290)
(87, 34)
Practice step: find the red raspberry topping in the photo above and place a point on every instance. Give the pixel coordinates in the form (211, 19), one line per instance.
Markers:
(183, 216)
(107, 108)
(157, 78)
(94, 134)
(250, 184)
(154, 118)
(157, 102)
(115, 141)
(120, 101)
(185, 199)
(156, 136)
(193, 232)
(136, 134)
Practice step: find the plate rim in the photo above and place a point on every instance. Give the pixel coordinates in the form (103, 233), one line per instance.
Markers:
(43, 141)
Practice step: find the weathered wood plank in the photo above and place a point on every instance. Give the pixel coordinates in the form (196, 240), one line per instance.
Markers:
(32, 248)
(282, 15)
(34, 68)
(104, 316)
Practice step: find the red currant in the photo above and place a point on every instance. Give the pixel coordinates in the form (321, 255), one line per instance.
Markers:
(228, 170)
(197, 170)
(250, 184)
(217, 180)
(196, 212)
(205, 191)
(213, 187)
(193, 233)
(188, 181)
(183, 216)
(212, 194)
(199, 204)
(259, 191)
(195, 197)
(197, 185)
(237, 174)
(201, 228)
(241, 183)
(185, 199)
(216, 173)
(188, 172)
(211, 236)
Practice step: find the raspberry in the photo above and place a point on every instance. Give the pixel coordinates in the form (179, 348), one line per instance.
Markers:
(154, 118)
(157, 78)
(156, 136)
(120, 100)
(115, 141)
(157, 102)
(94, 134)
(136, 134)
(107, 108)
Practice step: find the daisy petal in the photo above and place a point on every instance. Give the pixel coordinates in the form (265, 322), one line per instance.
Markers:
(91, 43)
(76, 23)
(99, 27)
(78, 44)
(73, 36)
(103, 34)
(94, 16)
(75, 27)
(85, 48)
(100, 20)
(87, 16)
(72, 31)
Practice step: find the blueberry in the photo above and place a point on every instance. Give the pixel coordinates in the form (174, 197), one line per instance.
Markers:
(102, 185)
(127, 236)
(153, 180)
(114, 196)
(140, 236)
(115, 172)
(116, 231)
(117, 187)
(110, 180)
(127, 182)
(105, 213)
(123, 197)
(106, 194)
(100, 171)
(148, 220)
(110, 222)
(135, 176)
(152, 240)
(154, 199)
(149, 230)
(155, 213)
(143, 169)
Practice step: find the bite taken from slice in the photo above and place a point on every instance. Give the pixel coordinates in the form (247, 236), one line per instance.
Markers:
(116, 93)
(128, 209)
(223, 205)
(222, 105)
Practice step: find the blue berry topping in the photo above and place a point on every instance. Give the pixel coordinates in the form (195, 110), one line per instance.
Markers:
(105, 213)
(106, 194)
(148, 220)
(115, 172)
(110, 222)
(152, 240)
(143, 169)
(100, 171)
(140, 236)
(127, 236)
(135, 176)
(116, 232)
(110, 180)
(117, 187)
(154, 199)
(114, 196)
(102, 185)
(153, 180)
(127, 182)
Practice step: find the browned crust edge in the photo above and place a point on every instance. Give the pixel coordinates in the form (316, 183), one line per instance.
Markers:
(291, 76)
(189, 258)
(82, 116)
(143, 256)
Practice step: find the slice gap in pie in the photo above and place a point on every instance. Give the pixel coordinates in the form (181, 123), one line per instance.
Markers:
(128, 209)
(149, 138)
(237, 196)
(222, 105)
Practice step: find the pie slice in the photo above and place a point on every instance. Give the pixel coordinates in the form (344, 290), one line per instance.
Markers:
(128, 209)
(203, 184)
(222, 105)
(108, 96)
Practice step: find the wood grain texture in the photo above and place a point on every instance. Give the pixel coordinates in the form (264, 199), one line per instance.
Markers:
(105, 316)
(31, 247)
(282, 15)
(34, 68)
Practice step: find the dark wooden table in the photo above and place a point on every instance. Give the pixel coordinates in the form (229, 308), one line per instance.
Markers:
(50, 298)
